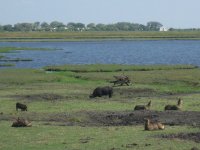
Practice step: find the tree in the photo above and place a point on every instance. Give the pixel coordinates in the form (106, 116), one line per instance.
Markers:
(36, 26)
(56, 24)
(8, 27)
(75, 26)
(45, 26)
(154, 26)
(123, 26)
(23, 27)
(80, 25)
(71, 26)
(91, 26)
(100, 27)
(1, 28)
(111, 27)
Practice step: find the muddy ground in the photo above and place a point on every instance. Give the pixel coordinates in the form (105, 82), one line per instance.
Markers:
(184, 136)
(131, 118)
(137, 118)
(126, 118)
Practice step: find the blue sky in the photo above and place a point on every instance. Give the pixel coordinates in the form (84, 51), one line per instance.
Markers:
(171, 13)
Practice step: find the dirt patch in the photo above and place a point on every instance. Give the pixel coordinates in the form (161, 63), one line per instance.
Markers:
(137, 118)
(128, 118)
(39, 97)
(183, 136)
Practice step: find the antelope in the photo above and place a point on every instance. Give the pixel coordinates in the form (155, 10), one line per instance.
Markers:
(21, 123)
(153, 126)
(143, 107)
(175, 107)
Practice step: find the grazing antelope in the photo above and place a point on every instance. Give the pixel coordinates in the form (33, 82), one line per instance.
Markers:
(175, 107)
(148, 125)
(143, 107)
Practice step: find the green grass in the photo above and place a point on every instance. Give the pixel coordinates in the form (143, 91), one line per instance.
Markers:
(6, 65)
(115, 68)
(11, 49)
(77, 36)
(105, 138)
(162, 84)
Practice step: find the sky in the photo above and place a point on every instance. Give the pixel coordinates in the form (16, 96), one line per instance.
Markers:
(171, 13)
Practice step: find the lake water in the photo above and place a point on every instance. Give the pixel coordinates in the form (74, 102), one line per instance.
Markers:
(108, 52)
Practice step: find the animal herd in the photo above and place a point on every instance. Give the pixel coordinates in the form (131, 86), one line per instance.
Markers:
(108, 91)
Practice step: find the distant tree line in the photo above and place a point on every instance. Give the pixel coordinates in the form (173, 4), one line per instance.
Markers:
(59, 26)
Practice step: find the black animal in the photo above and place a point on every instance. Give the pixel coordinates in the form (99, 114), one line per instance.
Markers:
(143, 107)
(100, 91)
(23, 107)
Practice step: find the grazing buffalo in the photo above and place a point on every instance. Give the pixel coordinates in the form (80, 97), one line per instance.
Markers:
(23, 107)
(101, 91)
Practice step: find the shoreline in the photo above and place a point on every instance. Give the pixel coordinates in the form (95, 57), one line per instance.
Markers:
(96, 36)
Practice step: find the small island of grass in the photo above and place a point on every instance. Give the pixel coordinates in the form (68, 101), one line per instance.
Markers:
(10, 49)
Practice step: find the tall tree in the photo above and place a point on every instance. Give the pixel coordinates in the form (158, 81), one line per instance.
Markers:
(45, 26)
(100, 27)
(1, 28)
(91, 26)
(56, 24)
(8, 27)
(154, 26)
(36, 26)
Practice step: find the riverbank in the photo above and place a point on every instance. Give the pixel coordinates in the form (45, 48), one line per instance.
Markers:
(96, 36)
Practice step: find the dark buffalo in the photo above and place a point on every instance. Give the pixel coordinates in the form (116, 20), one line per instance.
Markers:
(23, 107)
(100, 91)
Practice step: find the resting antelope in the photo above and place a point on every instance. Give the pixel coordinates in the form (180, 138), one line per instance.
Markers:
(20, 122)
(148, 125)
(143, 107)
(175, 107)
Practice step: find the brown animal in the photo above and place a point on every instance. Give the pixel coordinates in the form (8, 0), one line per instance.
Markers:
(21, 123)
(148, 125)
(143, 107)
(175, 107)
(121, 80)
(23, 107)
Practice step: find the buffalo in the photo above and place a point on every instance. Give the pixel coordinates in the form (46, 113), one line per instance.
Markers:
(101, 91)
(23, 107)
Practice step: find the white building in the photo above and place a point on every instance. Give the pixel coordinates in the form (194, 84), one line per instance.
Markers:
(164, 29)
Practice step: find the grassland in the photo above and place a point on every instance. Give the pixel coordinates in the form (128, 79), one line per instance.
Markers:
(79, 36)
(64, 117)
